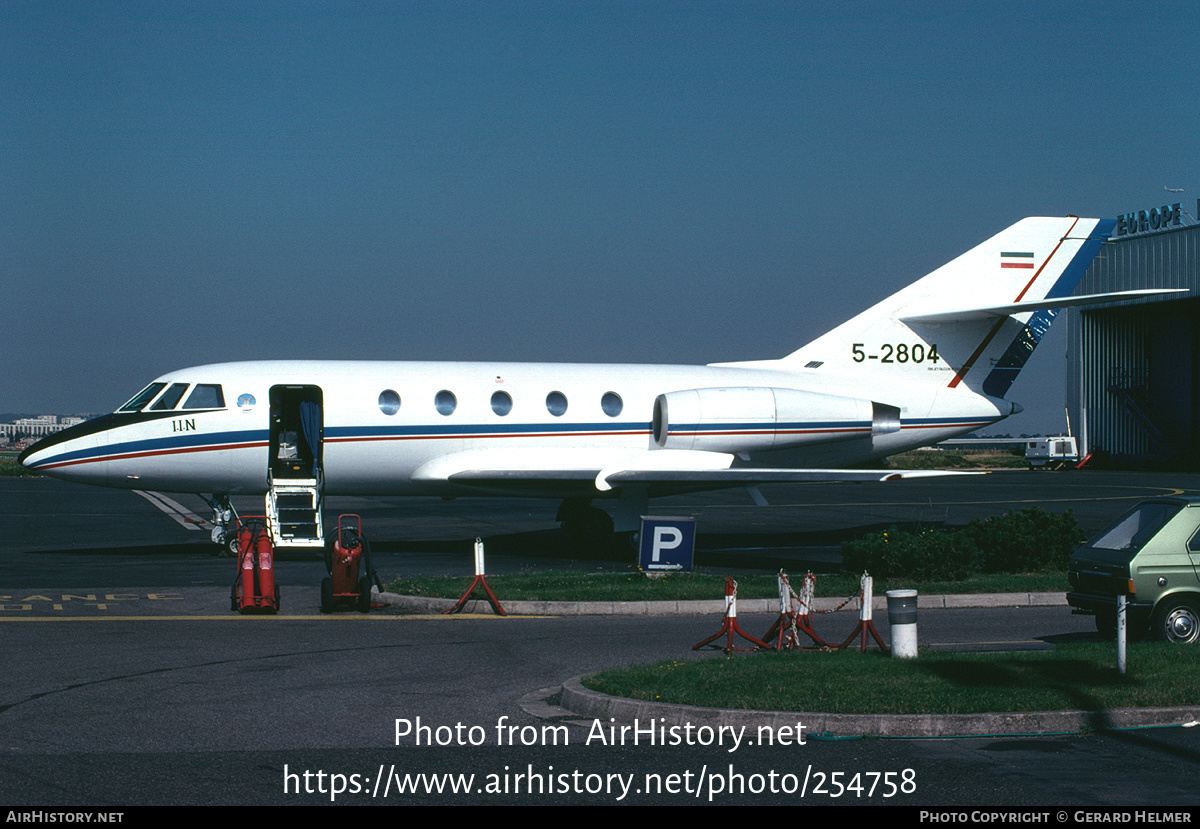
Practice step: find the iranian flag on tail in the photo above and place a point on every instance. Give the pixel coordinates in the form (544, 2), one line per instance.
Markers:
(1016, 259)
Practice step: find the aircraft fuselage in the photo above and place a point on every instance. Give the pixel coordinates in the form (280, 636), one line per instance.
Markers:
(400, 428)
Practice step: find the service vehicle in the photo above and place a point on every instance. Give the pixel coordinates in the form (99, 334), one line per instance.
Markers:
(1051, 453)
(1152, 556)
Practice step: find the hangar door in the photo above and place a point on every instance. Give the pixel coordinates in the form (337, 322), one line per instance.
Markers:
(1140, 392)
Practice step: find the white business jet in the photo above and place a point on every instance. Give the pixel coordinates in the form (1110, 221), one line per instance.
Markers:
(931, 362)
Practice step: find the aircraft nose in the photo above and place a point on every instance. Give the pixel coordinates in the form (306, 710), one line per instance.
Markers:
(29, 457)
(69, 454)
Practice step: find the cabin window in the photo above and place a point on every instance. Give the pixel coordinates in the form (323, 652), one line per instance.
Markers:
(501, 403)
(206, 396)
(445, 402)
(611, 403)
(389, 402)
(170, 398)
(143, 397)
(556, 403)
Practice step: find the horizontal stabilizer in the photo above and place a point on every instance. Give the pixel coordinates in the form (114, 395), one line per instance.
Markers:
(994, 311)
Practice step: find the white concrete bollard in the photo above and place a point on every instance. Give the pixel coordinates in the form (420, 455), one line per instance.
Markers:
(902, 616)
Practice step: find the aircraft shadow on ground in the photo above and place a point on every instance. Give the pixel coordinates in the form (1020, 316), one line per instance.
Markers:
(817, 550)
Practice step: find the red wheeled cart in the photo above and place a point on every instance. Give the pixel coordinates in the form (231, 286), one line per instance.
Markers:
(348, 560)
(254, 590)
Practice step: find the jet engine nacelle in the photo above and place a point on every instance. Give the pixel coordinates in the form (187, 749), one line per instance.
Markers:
(753, 419)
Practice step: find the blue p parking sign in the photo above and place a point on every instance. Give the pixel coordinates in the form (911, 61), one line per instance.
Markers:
(666, 544)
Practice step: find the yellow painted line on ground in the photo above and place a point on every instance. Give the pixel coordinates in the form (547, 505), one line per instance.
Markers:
(264, 616)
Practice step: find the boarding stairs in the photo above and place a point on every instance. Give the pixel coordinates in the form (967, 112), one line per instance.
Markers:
(294, 512)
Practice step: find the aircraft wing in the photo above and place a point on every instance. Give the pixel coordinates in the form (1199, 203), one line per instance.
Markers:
(605, 470)
(749, 477)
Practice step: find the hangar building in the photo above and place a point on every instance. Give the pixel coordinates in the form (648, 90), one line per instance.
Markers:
(1133, 368)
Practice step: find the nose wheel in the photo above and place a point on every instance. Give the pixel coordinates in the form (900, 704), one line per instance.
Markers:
(224, 533)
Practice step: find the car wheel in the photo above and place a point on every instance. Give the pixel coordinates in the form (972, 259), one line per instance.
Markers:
(1178, 621)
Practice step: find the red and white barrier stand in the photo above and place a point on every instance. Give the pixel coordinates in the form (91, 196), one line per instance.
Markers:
(794, 615)
(865, 624)
(480, 579)
(730, 624)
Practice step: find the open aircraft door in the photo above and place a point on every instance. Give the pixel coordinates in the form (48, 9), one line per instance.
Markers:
(297, 480)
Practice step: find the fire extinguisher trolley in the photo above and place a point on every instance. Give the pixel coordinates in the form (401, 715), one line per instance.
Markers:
(254, 589)
(348, 560)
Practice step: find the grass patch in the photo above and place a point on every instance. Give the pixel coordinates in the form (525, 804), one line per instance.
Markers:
(960, 459)
(1077, 676)
(634, 586)
(9, 468)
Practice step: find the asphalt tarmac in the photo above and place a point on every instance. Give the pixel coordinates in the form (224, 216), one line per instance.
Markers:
(130, 682)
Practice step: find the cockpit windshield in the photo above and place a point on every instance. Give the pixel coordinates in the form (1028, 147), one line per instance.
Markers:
(142, 398)
(205, 396)
(170, 398)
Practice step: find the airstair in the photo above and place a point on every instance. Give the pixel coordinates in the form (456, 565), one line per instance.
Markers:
(294, 512)
(295, 477)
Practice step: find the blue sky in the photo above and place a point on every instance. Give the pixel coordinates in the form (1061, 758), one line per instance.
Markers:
(602, 181)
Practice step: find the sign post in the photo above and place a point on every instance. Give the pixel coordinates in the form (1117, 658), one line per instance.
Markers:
(667, 544)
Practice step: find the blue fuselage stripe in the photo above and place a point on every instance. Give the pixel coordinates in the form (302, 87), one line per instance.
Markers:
(251, 438)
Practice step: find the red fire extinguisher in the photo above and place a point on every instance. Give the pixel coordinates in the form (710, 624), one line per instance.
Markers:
(348, 561)
(255, 588)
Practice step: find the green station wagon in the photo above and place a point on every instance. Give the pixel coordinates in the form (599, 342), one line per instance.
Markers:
(1152, 555)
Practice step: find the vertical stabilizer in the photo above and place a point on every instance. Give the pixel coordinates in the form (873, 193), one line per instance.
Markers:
(1004, 288)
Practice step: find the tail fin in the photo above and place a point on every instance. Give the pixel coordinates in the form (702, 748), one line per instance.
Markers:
(973, 321)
